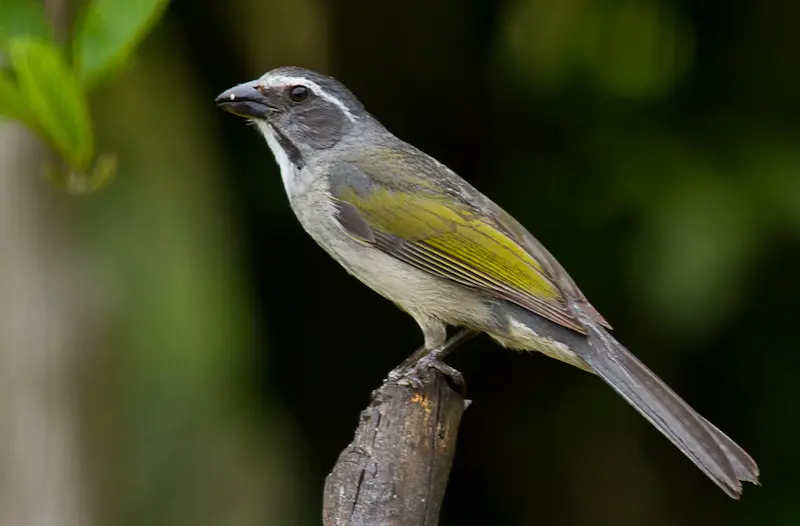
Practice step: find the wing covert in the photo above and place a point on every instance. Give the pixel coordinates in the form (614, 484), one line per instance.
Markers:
(439, 233)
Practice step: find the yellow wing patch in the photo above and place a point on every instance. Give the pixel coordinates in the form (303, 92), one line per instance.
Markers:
(457, 237)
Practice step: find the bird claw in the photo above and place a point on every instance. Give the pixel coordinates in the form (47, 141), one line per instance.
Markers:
(433, 361)
(411, 376)
(423, 358)
(412, 381)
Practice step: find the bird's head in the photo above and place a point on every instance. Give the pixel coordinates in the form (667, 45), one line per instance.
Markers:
(298, 110)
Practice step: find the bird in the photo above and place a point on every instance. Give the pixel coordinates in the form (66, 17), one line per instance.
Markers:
(418, 234)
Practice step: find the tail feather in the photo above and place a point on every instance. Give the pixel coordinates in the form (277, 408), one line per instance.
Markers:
(719, 457)
(745, 467)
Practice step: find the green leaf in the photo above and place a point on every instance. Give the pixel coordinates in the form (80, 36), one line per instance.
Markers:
(13, 104)
(108, 32)
(82, 183)
(55, 99)
(19, 18)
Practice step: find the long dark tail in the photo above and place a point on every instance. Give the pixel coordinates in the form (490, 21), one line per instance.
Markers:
(719, 457)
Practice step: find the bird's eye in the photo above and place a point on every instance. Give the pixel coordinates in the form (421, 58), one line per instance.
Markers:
(298, 93)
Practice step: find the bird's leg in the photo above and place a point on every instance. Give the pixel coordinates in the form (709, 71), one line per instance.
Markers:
(435, 333)
(434, 358)
(460, 338)
(419, 354)
(436, 348)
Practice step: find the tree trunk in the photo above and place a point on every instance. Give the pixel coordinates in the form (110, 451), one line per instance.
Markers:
(395, 471)
(40, 471)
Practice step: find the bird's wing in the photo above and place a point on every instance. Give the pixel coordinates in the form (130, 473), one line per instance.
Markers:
(401, 205)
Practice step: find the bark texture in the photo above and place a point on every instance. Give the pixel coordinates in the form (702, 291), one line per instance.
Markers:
(395, 471)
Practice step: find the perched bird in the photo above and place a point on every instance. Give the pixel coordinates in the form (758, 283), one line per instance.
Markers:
(418, 234)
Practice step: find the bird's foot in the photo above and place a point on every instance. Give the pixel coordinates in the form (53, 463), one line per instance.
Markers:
(412, 375)
(408, 372)
(397, 374)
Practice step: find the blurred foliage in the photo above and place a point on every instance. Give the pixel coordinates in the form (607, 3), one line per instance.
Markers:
(48, 93)
(632, 48)
(178, 420)
(650, 144)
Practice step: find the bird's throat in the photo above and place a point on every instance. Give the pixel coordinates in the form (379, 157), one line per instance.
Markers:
(289, 158)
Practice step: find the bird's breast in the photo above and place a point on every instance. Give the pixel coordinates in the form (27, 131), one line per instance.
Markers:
(412, 289)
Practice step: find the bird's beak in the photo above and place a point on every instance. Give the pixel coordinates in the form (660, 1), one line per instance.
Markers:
(246, 101)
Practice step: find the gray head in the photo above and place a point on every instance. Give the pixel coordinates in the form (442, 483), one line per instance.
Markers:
(299, 111)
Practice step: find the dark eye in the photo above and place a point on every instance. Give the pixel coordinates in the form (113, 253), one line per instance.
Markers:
(298, 93)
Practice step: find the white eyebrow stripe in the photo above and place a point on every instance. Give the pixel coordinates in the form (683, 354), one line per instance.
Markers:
(316, 88)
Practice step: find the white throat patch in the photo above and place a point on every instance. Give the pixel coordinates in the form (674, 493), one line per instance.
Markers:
(293, 181)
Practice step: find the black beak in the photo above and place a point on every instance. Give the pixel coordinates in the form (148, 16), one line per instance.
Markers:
(245, 100)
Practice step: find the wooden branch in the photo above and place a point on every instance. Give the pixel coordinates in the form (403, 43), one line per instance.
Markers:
(395, 471)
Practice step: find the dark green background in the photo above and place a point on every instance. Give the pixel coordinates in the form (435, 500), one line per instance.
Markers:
(652, 145)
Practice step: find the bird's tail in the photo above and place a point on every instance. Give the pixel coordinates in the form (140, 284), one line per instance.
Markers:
(719, 457)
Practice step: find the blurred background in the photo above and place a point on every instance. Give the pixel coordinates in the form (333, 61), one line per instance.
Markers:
(175, 350)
